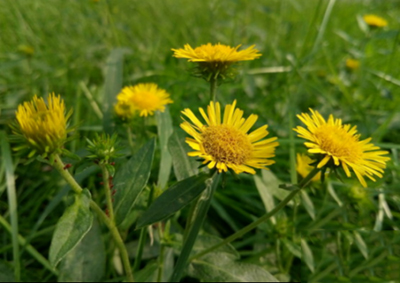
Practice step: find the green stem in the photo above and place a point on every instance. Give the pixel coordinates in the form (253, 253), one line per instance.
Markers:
(142, 237)
(130, 139)
(107, 189)
(202, 207)
(213, 89)
(161, 256)
(12, 202)
(263, 218)
(23, 242)
(59, 165)
(117, 239)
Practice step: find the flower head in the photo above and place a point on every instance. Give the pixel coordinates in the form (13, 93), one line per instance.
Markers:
(43, 126)
(340, 145)
(224, 142)
(352, 64)
(215, 60)
(303, 166)
(375, 21)
(144, 97)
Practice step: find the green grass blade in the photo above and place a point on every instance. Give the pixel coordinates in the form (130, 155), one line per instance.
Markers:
(12, 201)
(112, 85)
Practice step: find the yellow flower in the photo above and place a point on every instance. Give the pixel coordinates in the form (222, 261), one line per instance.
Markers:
(341, 145)
(43, 126)
(216, 53)
(144, 97)
(124, 110)
(352, 64)
(375, 21)
(215, 60)
(224, 142)
(303, 166)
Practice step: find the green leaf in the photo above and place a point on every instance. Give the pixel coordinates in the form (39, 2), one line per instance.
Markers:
(6, 272)
(184, 166)
(292, 247)
(71, 228)
(131, 179)
(308, 204)
(148, 273)
(205, 241)
(164, 127)
(266, 196)
(222, 267)
(86, 262)
(173, 199)
(361, 244)
(307, 255)
(113, 84)
(272, 183)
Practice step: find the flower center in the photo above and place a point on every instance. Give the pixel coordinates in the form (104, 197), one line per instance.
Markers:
(226, 144)
(146, 100)
(338, 142)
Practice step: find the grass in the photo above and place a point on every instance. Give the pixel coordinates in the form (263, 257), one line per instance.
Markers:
(304, 44)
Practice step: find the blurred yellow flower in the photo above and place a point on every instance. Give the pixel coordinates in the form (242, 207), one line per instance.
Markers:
(340, 144)
(43, 126)
(352, 64)
(217, 53)
(214, 61)
(375, 21)
(26, 49)
(303, 166)
(224, 142)
(144, 97)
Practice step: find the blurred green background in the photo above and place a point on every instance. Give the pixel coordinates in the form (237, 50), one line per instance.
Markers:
(71, 47)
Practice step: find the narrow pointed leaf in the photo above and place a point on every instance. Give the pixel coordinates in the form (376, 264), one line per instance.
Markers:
(131, 179)
(361, 244)
(184, 166)
(71, 228)
(308, 204)
(266, 196)
(173, 199)
(164, 129)
(307, 255)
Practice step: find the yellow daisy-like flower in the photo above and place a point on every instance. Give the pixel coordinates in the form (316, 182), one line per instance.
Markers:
(144, 97)
(303, 166)
(214, 61)
(352, 64)
(224, 142)
(341, 144)
(43, 125)
(375, 21)
(216, 53)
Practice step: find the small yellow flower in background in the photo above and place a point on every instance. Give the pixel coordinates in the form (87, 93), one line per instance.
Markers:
(215, 60)
(375, 21)
(352, 64)
(43, 126)
(26, 49)
(341, 146)
(124, 110)
(303, 166)
(144, 97)
(224, 142)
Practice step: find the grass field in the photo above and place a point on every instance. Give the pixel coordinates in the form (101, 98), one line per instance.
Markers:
(86, 51)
